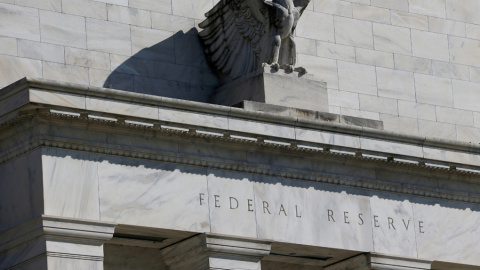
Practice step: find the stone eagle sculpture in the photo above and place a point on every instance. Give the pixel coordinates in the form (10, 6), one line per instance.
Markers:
(241, 35)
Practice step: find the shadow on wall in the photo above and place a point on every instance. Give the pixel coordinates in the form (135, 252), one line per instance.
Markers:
(176, 68)
(127, 170)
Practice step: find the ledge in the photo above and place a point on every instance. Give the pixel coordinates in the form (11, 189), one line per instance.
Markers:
(85, 231)
(259, 126)
(192, 106)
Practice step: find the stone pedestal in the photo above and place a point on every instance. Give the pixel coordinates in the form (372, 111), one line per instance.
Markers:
(277, 88)
(207, 251)
(55, 243)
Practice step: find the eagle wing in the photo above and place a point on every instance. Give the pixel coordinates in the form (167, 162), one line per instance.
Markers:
(234, 34)
(301, 5)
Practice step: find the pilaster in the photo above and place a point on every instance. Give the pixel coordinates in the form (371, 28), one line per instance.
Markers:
(208, 251)
(49, 242)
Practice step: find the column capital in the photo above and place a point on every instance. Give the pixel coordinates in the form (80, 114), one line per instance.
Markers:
(207, 251)
(48, 237)
(386, 262)
(380, 262)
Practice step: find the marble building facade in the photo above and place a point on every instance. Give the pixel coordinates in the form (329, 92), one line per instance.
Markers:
(112, 155)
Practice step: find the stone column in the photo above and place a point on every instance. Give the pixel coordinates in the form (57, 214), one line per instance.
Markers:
(208, 251)
(49, 242)
(380, 262)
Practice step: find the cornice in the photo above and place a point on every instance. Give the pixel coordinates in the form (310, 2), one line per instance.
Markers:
(192, 106)
(354, 156)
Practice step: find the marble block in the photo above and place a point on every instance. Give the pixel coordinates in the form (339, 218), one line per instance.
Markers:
(275, 87)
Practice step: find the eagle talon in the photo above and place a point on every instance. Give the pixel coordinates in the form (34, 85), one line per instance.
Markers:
(301, 70)
(275, 66)
(287, 68)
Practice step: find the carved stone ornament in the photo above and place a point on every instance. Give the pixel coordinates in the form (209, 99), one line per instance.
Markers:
(241, 35)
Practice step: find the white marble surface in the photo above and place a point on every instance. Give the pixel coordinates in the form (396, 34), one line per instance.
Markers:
(19, 22)
(392, 38)
(283, 210)
(296, 207)
(55, 98)
(448, 227)
(105, 36)
(353, 32)
(390, 147)
(453, 156)
(231, 200)
(357, 78)
(70, 184)
(90, 59)
(303, 93)
(153, 194)
(172, 196)
(182, 117)
(19, 68)
(260, 128)
(280, 88)
(226, 263)
(70, 32)
(116, 107)
(430, 45)
(371, 13)
(131, 16)
(89, 9)
(65, 73)
(327, 138)
(66, 263)
(394, 233)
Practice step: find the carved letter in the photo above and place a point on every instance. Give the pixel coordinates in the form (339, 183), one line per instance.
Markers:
(330, 215)
(265, 207)
(375, 220)
(201, 198)
(390, 222)
(361, 219)
(345, 217)
(406, 225)
(250, 205)
(236, 202)
(217, 201)
(420, 226)
(282, 210)
(296, 212)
